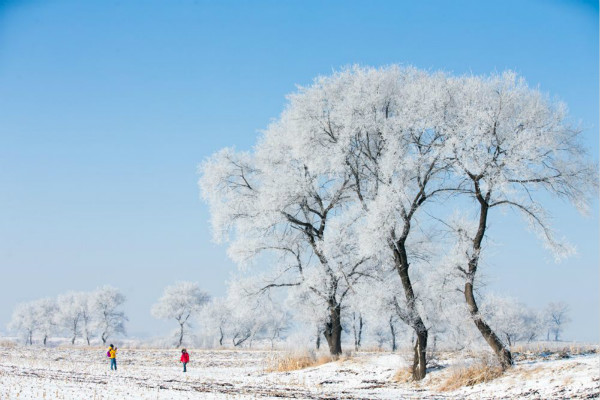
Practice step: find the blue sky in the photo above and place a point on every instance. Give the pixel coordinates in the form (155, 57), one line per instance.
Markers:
(107, 108)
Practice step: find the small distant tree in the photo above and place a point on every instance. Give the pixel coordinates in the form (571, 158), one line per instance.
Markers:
(87, 316)
(217, 319)
(109, 320)
(276, 320)
(72, 307)
(24, 321)
(556, 317)
(45, 314)
(513, 320)
(181, 302)
(249, 317)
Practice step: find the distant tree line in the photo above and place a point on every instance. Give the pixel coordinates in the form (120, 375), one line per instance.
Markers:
(76, 315)
(243, 317)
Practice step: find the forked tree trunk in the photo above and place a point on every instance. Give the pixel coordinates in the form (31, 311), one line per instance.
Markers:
(239, 338)
(333, 330)
(503, 353)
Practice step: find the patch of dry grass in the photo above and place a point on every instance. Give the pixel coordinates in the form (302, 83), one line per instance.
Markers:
(403, 375)
(480, 371)
(295, 361)
(9, 344)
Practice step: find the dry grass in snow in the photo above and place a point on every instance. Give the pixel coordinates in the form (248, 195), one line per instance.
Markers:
(480, 371)
(295, 361)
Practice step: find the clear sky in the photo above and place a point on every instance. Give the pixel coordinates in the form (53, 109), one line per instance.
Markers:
(107, 107)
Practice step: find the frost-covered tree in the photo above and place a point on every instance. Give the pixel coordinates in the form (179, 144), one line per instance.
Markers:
(104, 304)
(399, 164)
(512, 320)
(277, 321)
(216, 320)
(73, 312)
(86, 316)
(181, 302)
(338, 188)
(510, 143)
(384, 131)
(254, 315)
(556, 316)
(309, 313)
(25, 321)
(275, 203)
(46, 313)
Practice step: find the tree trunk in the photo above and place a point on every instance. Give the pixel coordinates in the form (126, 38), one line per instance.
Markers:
(503, 354)
(180, 335)
(241, 340)
(357, 332)
(488, 334)
(45, 339)
(221, 337)
(318, 341)
(333, 330)
(413, 319)
(393, 331)
(419, 368)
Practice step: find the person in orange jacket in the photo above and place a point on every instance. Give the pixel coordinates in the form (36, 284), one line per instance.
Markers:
(185, 358)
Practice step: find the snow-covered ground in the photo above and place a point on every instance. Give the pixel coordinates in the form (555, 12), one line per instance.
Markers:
(80, 373)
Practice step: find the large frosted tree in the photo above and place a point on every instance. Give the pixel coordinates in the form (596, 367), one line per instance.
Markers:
(337, 189)
(278, 203)
(380, 132)
(392, 123)
(511, 144)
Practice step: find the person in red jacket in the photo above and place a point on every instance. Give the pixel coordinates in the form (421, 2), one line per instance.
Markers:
(185, 358)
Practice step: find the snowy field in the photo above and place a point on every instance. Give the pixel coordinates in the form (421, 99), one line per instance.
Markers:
(80, 373)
